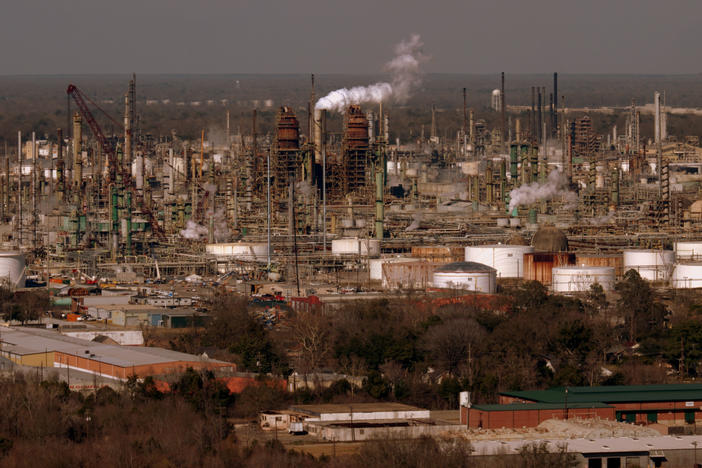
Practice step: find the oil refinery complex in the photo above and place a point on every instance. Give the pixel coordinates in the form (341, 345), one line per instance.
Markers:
(308, 208)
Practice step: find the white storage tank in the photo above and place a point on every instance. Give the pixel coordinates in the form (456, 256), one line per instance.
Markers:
(688, 250)
(569, 279)
(465, 275)
(687, 275)
(508, 260)
(356, 246)
(376, 265)
(652, 265)
(246, 251)
(12, 271)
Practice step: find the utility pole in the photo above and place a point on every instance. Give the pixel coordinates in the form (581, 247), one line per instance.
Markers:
(323, 145)
(19, 187)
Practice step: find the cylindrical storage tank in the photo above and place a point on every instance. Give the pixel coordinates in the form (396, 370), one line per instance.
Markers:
(571, 279)
(356, 246)
(508, 260)
(376, 265)
(652, 265)
(465, 275)
(688, 250)
(538, 266)
(246, 251)
(614, 261)
(687, 275)
(12, 270)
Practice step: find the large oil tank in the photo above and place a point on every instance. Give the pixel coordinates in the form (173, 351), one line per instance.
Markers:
(570, 279)
(246, 251)
(470, 276)
(688, 250)
(687, 275)
(508, 260)
(12, 270)
(375, 265)
(356, 246)
(652, 265)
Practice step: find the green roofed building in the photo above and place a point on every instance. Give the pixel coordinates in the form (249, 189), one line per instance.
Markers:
(632, 403)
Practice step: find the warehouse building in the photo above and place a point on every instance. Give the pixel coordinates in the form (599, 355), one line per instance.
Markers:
(517, 415)
(45, 348)
(677, 403)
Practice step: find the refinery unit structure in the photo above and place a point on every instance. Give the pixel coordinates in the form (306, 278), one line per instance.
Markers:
(540, 196)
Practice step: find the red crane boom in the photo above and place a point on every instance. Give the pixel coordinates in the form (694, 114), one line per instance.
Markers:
(107, 148)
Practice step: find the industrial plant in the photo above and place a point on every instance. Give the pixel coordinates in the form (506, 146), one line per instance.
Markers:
(305, 208)
(144, 242)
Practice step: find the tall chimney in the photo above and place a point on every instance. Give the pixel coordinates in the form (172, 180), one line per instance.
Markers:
(60, 165)
(465, 114)
(19, 188)
(503, 107)
(555, 104)
(128, 128)
(77, 151)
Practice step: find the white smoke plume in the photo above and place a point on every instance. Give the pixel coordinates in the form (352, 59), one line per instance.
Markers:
(194, 231)
(304, 189)
(405, 71)
(416, 221)
(556, 185)
(598, 221)
(221, 227)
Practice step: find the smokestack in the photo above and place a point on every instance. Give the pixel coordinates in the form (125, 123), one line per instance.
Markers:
(517, 130)
(318, 142)
(371, 127)
(465, 115)
(19, 187)
(532, 117)
(34, 188)
(503, 107)
(555, 104)
(77, 151)
(60, 177)
(433, 123)
(659, 156)
(229, 135)
(128, 131)
(539, 120)
(6, 185)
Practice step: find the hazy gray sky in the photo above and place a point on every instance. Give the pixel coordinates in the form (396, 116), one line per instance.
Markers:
(325, 36)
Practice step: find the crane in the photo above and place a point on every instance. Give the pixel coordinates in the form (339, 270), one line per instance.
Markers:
(80, 99)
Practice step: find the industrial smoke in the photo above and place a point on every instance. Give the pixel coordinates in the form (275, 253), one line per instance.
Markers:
(194, 231)
(556, 185)
(404, 69)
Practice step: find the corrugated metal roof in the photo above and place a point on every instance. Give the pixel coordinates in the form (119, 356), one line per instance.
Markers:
(36, 341)
(613, 394)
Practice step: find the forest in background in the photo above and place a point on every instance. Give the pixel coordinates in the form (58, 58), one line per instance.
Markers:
(38, 103)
